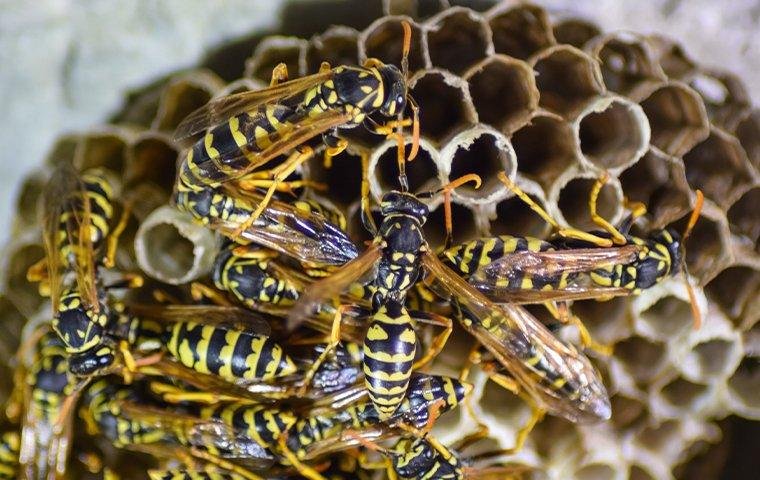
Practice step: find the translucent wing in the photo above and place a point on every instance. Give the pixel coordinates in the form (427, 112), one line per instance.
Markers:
(307, 237)
(80, 235)
(219, 110)
(333, 285)
(555, 374)
(239, 318)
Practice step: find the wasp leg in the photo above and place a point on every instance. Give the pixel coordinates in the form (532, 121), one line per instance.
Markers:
(617, 237)
(570, 233)
(302, 468)
(128, 280)
(172, 394)
(253, 182)
(439, 341)
(366, 211)
(564, 316)
(472, 359)
(113, 239)
(224, 464)
(335, 146)
(280, 173)
(200, 291)
(279, 75)
(367, 464)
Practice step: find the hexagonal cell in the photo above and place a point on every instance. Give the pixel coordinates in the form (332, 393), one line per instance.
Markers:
(719, 167)
(520, 31)
(272, 51)
(343, 178)
(575, 32)
(677, 117)
(682, 393)
(482, 151)
(567, 79)
(659, 182)
(745, 383)
(628, 65)
(504, 92)
(671, 57)
(18, 289)
(751, 341)
(668, 316)
(545, 148)
(152, 158)
(458, 38)
(725, 97)
(627, 412)
(462, 219)
(642, 358)
(607, 321)
(553, 436)
(596, 471)
(744, 217)
(422, 173)
(445, 104)
(748, 133)
(27, 200)
(104, 148)
(661, 437)
(182, 96)
(714, 357)
(640, 473)
(573, 202)
(338, 45)
(384, 40)
(613, 133)
(732, 288)
(514, 217)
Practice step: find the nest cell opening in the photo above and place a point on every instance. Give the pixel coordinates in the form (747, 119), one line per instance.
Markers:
(605, 320)
(748, 133)
(484, 157)
(714, 356)
(18, 289)
(725, 97)
(179, 100)
(384, 40)
(566, 79)
(677, 117)
(671, 57)
(668, 316)
(422, 173)
(337, 47)
(745, 382)
(575, 32)
(457, 41)
(272, 52)
(504, 92)
(544, 148)
(642, 358)
(652, 177)
(661, 437)
(101, 150)
(500, 403)
(595, 471)
(573, 202)
(639, 473)
(170, 252)
(152, 159)
(626, 64)
(626, 411)
(705, 247)
(744, 215)
(514, 217)
(462, 219)
(733, 288)
(521, 31)
(682, 393)
(29, 194)
(444, 106)
(343, 179)
(613, 137)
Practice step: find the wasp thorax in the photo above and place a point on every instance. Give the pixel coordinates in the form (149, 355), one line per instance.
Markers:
(404, 203)
(394, 101)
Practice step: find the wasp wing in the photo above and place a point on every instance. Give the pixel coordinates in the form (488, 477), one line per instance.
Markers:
(333, 285)
(218, 110)
(553, 372)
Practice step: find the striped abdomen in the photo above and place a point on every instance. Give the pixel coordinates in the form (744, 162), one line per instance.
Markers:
(49, 379)
(317, 428)
(389, 348)
(251, 281)
(418, 460)
(10, 445)
(230, 354)
(260, 423)
(191, 475)
(99, 196)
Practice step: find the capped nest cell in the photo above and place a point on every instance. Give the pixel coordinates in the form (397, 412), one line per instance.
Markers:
(554, 102)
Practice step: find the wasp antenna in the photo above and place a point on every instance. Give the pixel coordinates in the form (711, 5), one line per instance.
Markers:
(407, 47)
(470, 177)
(686, 232)
(694, 216)
(692, 300)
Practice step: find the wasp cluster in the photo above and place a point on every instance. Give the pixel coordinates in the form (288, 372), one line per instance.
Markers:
(553, 102)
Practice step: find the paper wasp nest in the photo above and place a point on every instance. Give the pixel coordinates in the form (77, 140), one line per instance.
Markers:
(553, 102)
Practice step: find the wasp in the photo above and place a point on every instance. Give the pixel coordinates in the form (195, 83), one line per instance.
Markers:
(396, 259)
(192, 475)
(574, 264)
(10, 446)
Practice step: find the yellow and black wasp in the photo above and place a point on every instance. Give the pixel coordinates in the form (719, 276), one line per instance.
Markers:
(192, 475)
(10, 447)
(250, 129)
(573, 264)
(553, 373)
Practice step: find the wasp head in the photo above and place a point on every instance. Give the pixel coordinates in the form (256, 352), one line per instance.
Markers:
(394, 102)
(404, 203)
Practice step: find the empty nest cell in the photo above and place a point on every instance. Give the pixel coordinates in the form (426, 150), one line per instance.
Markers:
(567, 79)
(545, 148)
(677, 117)
(520, 31)
(744, 215)
(748, 133)
(613, 133)
(184, 95)
(707, 249)
(642, 358)
(573, 202)
(725, 97)
(627, 412)
(667, 317)
(384, 40)
(627, 65)
(106, 148)
(595, 471)
(422, 172)
(660, 438)
(745, 383)
(152, 158)
(18, 258)
(607, 321)
(482, 151)
(575, 32)
(503, 91)
(445, 104)
(733, 288)
(671, 57)
(343, 178)
(457, 39)
(336, 46)
(683, 394)
(274, 50)
(714, 358)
